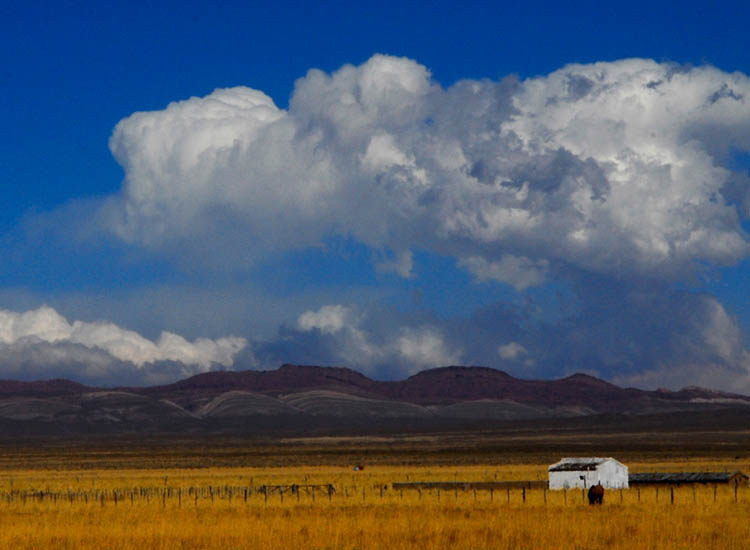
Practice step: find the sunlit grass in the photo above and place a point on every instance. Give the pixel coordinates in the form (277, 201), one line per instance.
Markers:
(364, 513)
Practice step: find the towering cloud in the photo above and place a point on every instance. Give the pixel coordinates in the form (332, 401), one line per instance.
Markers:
(613, 167)
(591, 194)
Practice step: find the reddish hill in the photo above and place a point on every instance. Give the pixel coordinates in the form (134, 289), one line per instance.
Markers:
(286, 378)
(451, 384)
(441, 386)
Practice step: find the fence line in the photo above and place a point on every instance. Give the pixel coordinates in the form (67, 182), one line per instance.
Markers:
(532, 494)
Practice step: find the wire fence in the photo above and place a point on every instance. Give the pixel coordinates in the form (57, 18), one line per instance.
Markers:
(408, 493)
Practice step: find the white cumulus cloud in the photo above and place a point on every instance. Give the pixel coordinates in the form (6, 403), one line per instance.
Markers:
(408, 348)
(426, 347)
(511, 350)
(613, 167)
(618, 172)
(328, 319)
(47, 326)
(519, 272)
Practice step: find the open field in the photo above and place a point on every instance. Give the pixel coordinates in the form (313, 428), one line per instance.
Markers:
(206, 492)
(208, 508)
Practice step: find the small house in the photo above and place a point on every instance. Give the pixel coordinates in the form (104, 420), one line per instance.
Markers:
(583, 472)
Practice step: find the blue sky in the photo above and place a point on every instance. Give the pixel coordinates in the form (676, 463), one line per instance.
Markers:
(417, 185)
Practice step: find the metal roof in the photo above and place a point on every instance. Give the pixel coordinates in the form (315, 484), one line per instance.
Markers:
(575, 467)
(687, 477)
(579, 464)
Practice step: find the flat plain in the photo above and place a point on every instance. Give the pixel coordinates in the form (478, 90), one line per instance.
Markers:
(186, 492)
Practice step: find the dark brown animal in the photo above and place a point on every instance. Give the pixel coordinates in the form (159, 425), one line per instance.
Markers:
(596, 494)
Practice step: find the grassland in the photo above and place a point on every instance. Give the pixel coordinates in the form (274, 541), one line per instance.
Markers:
(163, 510)
(203, 492)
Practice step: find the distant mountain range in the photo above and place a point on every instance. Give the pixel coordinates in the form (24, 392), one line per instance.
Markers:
(295, 398)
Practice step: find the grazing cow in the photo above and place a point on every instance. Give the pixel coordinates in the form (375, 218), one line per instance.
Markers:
(596, 494)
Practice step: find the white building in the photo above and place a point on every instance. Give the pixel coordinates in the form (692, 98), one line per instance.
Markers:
(587, 471)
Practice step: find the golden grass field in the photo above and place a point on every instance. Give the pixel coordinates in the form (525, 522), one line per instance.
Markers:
(157, 508)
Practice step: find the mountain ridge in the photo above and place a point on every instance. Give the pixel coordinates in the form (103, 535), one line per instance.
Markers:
(308, 397)
(441, 384)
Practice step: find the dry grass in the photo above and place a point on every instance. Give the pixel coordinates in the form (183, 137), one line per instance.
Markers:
(357, 516)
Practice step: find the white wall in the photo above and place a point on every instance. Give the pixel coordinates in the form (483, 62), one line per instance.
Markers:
(611, 474)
